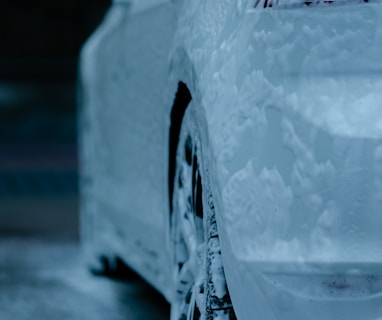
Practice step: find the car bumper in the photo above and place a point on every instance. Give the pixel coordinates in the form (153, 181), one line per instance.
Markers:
(267, 295)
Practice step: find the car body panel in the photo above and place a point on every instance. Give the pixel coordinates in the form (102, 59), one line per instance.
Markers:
(125, 147)
(291, 128)
(295, 135)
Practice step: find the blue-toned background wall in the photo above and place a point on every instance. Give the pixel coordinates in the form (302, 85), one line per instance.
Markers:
(39, 45)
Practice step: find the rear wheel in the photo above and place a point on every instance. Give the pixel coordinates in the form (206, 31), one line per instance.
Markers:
(201, 291)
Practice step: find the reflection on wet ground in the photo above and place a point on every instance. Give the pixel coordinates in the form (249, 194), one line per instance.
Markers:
(43, 279)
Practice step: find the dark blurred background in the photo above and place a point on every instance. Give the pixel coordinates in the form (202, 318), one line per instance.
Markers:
(42, 272)
(40, 42)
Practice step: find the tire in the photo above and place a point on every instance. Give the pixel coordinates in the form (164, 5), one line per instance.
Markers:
(200, 287)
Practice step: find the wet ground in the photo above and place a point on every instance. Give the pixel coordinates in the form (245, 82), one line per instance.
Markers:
(41, 279)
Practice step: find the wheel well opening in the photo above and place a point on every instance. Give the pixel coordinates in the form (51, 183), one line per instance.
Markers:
(182, 100)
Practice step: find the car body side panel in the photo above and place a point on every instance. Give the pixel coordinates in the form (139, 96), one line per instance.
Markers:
(294, 126)
(128, 133)
(293, 106)
(89, 135)
(310, 134)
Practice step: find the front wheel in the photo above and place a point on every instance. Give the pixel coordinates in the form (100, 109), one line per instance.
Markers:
(200, 286)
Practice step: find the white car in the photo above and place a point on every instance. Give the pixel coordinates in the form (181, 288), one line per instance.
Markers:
(231, 150)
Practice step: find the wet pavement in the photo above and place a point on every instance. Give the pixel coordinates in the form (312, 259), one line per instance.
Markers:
(47, 279)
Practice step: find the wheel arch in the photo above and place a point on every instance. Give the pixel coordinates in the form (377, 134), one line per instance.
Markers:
(184, 69)
(183, 74)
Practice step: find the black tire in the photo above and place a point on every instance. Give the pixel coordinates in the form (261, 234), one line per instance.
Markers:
(201, 291)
